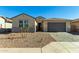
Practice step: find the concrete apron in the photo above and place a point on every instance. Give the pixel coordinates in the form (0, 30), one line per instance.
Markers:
(61, 47)
(54, 47)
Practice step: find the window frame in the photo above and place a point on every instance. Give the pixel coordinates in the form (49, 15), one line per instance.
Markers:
(24, 23)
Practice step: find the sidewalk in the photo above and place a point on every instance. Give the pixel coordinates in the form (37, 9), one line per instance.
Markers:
(61, 47)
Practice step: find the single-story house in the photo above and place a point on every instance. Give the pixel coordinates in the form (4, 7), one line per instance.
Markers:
(24, 22)
(27, 23)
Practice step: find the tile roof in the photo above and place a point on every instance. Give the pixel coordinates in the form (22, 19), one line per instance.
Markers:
(6, 19)
(21, 14)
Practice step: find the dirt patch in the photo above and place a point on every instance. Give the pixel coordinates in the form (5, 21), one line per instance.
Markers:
(24, 40)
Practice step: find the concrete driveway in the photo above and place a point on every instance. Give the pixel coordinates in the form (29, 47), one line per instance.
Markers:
(65, 43)
(65, 37)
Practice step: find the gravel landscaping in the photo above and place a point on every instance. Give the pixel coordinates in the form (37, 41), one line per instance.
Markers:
(24, 40)
(64, 37)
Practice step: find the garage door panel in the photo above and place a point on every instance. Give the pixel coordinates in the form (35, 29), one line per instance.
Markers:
(56, 27)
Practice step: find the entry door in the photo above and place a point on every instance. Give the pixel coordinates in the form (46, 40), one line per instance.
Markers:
(39, 27)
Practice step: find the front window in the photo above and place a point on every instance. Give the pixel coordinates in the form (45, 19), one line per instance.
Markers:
(23, 24)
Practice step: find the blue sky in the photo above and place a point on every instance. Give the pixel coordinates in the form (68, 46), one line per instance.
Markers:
(68, 12)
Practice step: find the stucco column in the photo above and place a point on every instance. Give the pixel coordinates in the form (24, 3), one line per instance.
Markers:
(45, 26)
(68, 26)
(35, 29)
(35, 26)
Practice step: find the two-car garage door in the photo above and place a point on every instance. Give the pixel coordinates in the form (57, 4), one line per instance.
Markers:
(56, 26)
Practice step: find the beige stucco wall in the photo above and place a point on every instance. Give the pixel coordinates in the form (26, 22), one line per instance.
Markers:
(39, 20)
(45, 26)
(31, 22)
(68, 26)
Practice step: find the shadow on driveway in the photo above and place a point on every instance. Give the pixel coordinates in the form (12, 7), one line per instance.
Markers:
(74, 33)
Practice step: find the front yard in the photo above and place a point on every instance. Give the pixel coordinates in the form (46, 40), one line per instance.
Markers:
(25, 40)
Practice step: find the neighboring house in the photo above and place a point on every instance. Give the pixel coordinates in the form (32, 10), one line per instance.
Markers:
(5, 23)
(75, 25)
(27, 23)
